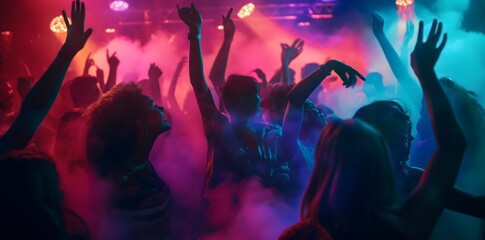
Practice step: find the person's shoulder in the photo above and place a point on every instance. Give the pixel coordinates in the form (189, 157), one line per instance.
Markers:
(305, 230)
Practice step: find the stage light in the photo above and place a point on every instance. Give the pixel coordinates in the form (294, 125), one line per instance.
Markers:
(6, 33)
(220, 27)
(246, 10)
(110, 30)
(303, 24)
(58, 25)
(404, 3)
(119, 6)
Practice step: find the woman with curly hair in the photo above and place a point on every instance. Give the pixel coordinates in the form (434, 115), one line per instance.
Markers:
(122, 126)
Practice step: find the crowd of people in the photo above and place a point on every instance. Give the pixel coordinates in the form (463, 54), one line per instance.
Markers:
(351, 176)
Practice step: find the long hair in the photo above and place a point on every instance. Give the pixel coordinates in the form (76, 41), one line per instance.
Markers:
(31, 202)
(351, 181)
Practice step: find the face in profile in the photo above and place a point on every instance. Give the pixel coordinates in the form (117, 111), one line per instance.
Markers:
(155, 118)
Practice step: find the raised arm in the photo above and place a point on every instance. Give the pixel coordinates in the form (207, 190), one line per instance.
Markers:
(88, 64)
(173, 84)
(408, 35)
(288, 54)
(398, 68)
(425, 204)
(154, 74)
(298, 95)
(192, 18)
(217, 74)
(113, 63)
(42, 95)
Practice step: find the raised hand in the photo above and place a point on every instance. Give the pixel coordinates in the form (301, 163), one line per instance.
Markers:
(377, 24)
(182, 62)
(408, 35)
(76, 35)
(289, 53)
(191, 17)
(154, 72)
(229, 26)
(344, 71)
(426, 54)
(113, 61)
(88, 64)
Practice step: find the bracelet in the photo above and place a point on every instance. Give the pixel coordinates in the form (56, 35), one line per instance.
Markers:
(324, 70)
(194, 36)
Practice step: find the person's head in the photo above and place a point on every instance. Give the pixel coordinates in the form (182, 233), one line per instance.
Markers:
(373, 84)
(119, 123)
(31, 198)
(240, 96)
(352, 179)
(392, 121)
(84, 90)
(314, 120)
(6, 98)
(274, 102)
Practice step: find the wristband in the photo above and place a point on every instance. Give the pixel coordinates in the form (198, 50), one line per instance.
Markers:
(194, 36)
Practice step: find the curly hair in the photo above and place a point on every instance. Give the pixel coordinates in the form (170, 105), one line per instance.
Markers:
(111, 124)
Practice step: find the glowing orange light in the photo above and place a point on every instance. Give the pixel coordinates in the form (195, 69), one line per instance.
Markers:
(246, 10)
(58, 25)
(110, 30)
(404, 3)
(220, 27)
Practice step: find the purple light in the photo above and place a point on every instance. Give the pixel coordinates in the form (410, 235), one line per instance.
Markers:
(119, 6)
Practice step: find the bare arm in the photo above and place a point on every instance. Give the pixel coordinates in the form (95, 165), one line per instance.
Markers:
(425, 204)
(462, 202)
(193, 20)
(218, 71)
(154, 74)
(408, 35)
(100, 77)
(288, 54)
(173, 84)
(113, 63)
(42, 95)
(398, 68)
(297, 96)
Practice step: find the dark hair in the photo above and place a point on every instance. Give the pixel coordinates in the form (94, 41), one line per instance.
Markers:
(84, 90)
(31, 199)
(274, 101)
(112, 125)
(352, 180)
(382, 115)
(236, 92)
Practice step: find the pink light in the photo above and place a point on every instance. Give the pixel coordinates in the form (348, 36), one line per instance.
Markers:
(119, 6)
(6, 33)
